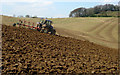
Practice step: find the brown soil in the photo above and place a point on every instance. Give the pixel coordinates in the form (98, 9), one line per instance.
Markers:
(29, 51)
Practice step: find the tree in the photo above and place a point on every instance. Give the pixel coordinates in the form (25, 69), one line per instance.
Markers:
(90, 12)
(79, 12)
(27, 16)
(119, 3)
(34, 17)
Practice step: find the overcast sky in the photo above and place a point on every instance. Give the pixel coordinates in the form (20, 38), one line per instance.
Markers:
(47, 8)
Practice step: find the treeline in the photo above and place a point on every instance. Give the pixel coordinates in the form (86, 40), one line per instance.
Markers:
(27, 16)
(97, 11)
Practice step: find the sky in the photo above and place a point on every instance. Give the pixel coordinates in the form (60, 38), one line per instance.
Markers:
(47, 8)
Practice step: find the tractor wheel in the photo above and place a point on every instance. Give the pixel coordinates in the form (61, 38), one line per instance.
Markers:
(45, 30)
(53, 31)
(38, 29)
(42, 31)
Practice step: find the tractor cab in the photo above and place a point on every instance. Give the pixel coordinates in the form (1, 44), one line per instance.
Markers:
(47, 26)
(45, 21)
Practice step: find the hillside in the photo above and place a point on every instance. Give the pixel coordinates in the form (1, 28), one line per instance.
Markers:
(103, 31)
(100, 30)
(29, 51)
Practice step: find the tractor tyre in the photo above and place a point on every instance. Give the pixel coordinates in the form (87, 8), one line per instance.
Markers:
(38, 29)
(53, 31)
(45, 30)
(42, 31)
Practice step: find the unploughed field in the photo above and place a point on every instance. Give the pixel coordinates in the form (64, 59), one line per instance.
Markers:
(102, 30)
(29, 51)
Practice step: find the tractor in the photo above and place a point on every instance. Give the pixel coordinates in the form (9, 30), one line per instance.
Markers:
(46, 27)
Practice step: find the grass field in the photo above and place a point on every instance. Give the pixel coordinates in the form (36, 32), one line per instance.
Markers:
(102, 30)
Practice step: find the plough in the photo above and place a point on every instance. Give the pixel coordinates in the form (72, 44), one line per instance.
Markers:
(43, 28)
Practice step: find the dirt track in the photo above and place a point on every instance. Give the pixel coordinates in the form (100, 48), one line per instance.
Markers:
(28, 51)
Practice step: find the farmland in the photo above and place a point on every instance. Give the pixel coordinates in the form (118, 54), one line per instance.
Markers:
(85, 42)
(102, 30)
(29, 51)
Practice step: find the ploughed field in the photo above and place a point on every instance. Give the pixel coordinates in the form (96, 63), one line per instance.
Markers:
(29, 51)
(100, 30)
